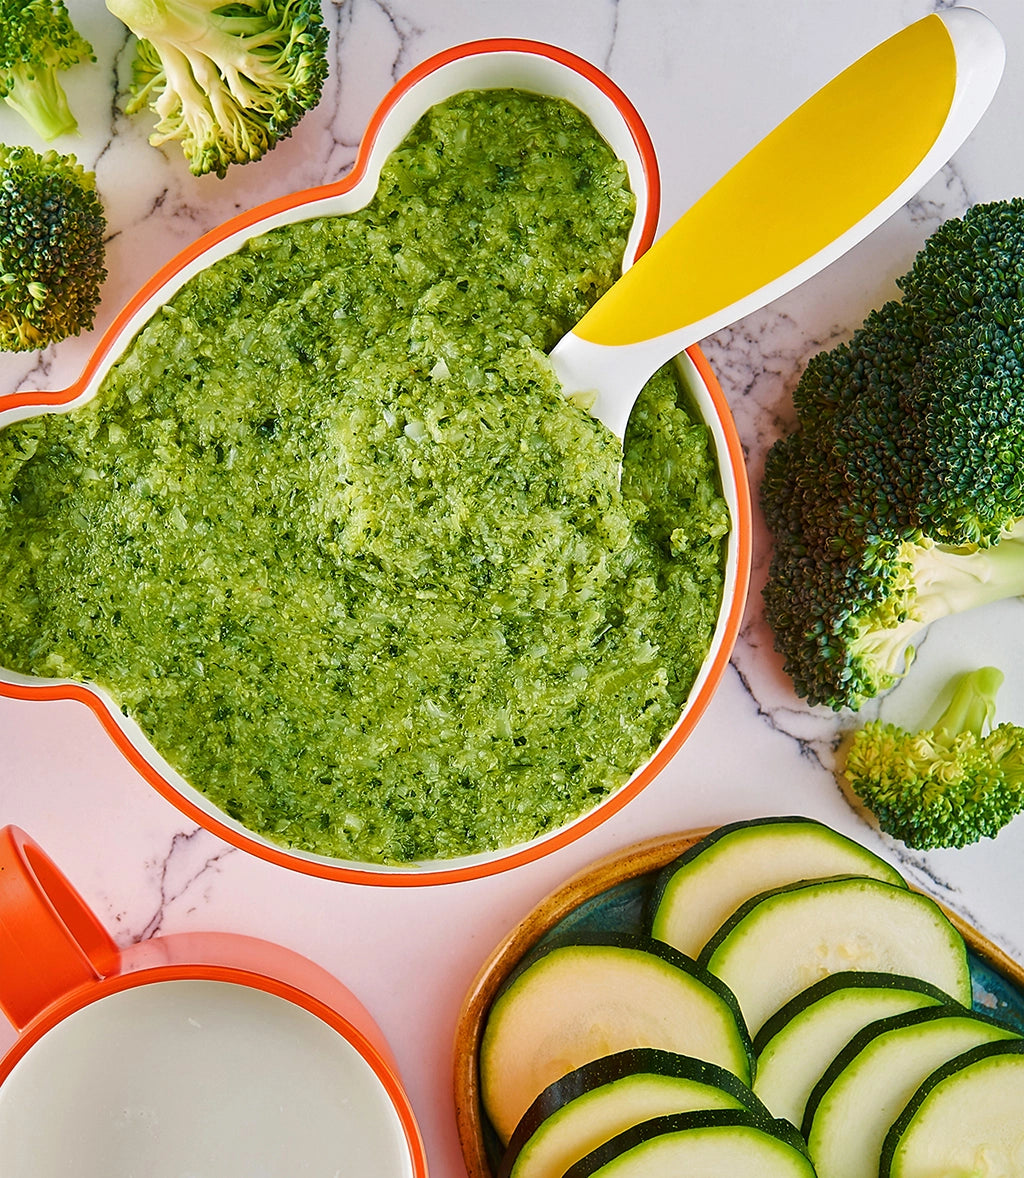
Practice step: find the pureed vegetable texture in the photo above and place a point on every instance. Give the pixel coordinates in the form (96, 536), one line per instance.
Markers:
(332, 535)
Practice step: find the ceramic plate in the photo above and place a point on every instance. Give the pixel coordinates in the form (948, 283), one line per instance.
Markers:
(610, 896)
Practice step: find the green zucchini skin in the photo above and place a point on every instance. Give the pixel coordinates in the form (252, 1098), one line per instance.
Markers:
(719, 996)
(954, 950)
(796, 1045)
(778, 1134)
(976, 1056)
(597, 937)
(857, 1044)
(741, 837)
(844, 979)
(711, 839)
(606, 1071)
(635, 1061)
(636, 941)
(847, 1119)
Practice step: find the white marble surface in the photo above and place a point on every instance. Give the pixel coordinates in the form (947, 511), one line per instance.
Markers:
(709, 77)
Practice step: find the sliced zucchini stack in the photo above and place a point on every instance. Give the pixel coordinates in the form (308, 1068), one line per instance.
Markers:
(870, 1082)
(797, 1009)
(780, 942)
(967, 1117)
(601, 1099)
(697, 893)
(579, 998)
(796, 1045)
(718, 1143)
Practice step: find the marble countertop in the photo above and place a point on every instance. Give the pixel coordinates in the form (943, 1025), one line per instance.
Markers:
(709, 77)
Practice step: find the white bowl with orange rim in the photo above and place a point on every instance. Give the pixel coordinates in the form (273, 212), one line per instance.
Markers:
(503, 63)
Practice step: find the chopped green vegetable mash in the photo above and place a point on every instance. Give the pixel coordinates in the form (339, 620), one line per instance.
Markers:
(333, 537)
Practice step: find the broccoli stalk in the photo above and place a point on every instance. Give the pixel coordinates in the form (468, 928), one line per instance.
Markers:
(226, 81)
(935, 581)
(52, 229)
(37, 40)
(899, 497)
(948, 785)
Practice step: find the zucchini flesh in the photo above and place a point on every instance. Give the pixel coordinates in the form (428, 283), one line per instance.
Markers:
(713, 1144)
(697, 893)
(966, 1118)
(818, 1024)
(583, 998)
(781, 942)
(581, 1125)
(871, 1081)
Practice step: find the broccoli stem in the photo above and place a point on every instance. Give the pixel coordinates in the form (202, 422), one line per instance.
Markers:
(37, 95)
(198, 24)
(952, 580)
(973, 705)
(179, 20)
(940, 581)
(216, 47)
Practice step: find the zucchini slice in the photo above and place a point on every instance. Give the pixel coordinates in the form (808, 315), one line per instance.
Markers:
(697, 893)
(966, 1118)
(782, 941)
(870, 1082)
(580, 997)
(595, 1102)
(796, 1045)
(718, 1143)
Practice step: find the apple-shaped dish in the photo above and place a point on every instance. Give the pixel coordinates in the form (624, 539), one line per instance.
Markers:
(503, 63)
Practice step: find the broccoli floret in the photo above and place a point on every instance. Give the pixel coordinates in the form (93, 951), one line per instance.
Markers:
(37, 40)
(899, 497)
(949, 785)
(227, 81)
(52, 249)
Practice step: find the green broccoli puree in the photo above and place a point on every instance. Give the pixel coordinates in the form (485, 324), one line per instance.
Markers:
(333, 537)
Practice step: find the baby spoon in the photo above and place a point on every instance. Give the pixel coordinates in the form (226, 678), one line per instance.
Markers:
(828, 175)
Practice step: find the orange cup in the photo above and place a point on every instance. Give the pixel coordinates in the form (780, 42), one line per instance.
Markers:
(198, 1053)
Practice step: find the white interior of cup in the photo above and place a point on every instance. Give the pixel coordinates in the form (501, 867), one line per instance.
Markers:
(491, 69)
(199, 1078)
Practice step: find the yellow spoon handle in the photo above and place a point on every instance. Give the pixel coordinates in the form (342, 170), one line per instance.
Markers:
(824, 178)
(821, 171)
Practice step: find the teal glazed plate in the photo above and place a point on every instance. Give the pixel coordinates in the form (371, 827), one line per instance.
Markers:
(611, 896)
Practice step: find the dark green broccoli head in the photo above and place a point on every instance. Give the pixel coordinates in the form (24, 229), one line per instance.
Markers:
(987, 247)
(908, 454)
(37, 39)
(972, 473)
(949, 785)
(225, 82)
(52, 248)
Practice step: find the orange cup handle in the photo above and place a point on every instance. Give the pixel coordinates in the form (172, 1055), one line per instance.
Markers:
(51, 943)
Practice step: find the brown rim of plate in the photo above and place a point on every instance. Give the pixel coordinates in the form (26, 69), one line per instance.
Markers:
(618, 867)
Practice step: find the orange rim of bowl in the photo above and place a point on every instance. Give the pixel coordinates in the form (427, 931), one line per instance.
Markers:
(499, 862)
